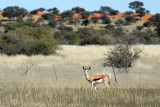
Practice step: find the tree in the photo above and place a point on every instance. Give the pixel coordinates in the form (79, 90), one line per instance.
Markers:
(128, 13)
(85, 14)
(14, 11)
(78, 10)
(94, 20)
(113, 12)
(106, 20)
(136, 5)
(147, 12)
(67, 14)
(54, 10)
(48, 16)
(141, 12)
(85, 22)
(108, 10)
(41, 9)
(33, 12)
(105, 9)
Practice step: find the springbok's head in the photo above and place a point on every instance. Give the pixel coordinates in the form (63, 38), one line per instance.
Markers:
(86, 69)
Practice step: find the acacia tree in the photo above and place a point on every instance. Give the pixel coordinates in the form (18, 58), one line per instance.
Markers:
(136, 5)
(78, 10)
(105, 9)
(14, 11)
(54, 10)
(142, 12)
(108, 10)
(67, 14)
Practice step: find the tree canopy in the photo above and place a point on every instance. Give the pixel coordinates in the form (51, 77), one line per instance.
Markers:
(14, 11)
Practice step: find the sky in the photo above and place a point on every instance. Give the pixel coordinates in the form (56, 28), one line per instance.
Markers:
(89, 5)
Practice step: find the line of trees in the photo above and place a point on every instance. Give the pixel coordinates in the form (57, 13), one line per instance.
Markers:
(14, 11)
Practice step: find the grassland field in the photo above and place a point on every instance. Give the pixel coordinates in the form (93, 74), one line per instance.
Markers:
(40, 88)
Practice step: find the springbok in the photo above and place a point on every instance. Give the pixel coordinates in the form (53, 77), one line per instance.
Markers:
(97, 79)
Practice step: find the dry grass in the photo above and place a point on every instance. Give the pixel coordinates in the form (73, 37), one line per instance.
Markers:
(139, 87)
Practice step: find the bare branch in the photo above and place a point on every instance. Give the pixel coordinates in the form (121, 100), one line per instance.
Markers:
(28, 68)
(54, 71)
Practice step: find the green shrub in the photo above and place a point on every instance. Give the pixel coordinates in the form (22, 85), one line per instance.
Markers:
(65, 37)
(71, 22)
(13, 26)
(106, 20)
(139, 28)
(148, 37)
(29, 41)
(65, 28)
(97, 40)
(130, 19)
(53, 23)
(119, 22)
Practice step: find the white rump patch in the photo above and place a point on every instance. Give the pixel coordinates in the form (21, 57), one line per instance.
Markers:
(98, 81)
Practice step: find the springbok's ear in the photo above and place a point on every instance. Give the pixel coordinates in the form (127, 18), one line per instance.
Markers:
(89, 68)
(83, 68)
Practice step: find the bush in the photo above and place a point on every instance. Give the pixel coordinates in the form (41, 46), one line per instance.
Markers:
(97, 40)
(139, 28)
(65, 28)
(1, 23)
(110, 27)
(40, 19)
(154, 19)
(71, 22)
(130, 19)
(65, 37)
(106, 20)
(85, 22)
(30, 20)
(119, 22)
(52, 23)
(48, 16)
(29, 41)
(13, 26)
(122, 56)
(148, 37)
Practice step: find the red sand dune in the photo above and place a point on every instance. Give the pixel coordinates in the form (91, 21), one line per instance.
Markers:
(78, 15)
(95, 15)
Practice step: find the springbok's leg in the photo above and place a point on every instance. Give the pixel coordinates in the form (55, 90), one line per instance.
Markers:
(106, 83)
(94, 86)
(91, 85)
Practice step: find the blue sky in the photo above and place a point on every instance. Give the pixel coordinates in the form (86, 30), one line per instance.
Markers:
(90, 5)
